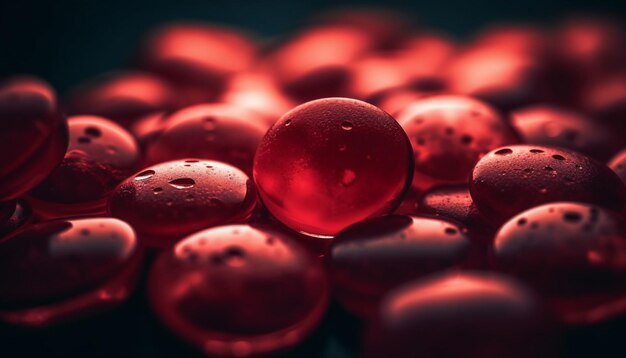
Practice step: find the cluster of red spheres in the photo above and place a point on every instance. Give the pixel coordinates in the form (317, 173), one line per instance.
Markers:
(450, 198)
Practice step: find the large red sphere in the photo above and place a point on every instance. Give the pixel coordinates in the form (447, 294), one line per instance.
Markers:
(238, 291)
(329, 163)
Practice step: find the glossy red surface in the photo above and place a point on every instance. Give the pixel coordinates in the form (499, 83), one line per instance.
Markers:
(558, 127)
(62, 270)
(100, 155)
(449, 133)
(461, 314)
(371, 257)
(219, 131)
(238, 291)
(512, 179)
(329, 163)
(122, 96)
(169, 200)
(572, 253)
(618, 165)
(33, 135)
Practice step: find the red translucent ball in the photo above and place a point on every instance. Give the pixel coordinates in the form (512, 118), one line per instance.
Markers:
(557, 127)
(461, 315)
(449, 134)
(512, 179)
(332, 162)
(122, 96)
(167, 201)
(218, 131)
(238, 291)
(33, 135)
(62, 270)
(573, 254)
(100, 155)
(371, 257)
(618, 164)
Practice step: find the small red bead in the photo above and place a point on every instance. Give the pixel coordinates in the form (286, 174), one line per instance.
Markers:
(238, 291)
(167, 201)
(332, 162)
(66, 269)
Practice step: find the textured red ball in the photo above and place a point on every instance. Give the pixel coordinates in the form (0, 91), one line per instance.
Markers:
(100, 155)
(461, 315)
(33, 135)
(573, 254)
(167, 201)
(332, 162)
(449, 133)
(238, 291)
(65, 269)
(370, 258)
(220, 132)
(512, 179)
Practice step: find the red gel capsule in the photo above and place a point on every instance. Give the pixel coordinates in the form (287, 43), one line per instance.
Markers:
(63, 270)
(449, 133)
(573, 254)
(122, 96)
(332, 162)
(557, 127)
(512, 179)
(220, 132)
(370, 258)
(455, 203)
(100, 155)
(33, 135)
(618, 165)
(461, 315)
(13, 215)
(236, 291)
(167, 201)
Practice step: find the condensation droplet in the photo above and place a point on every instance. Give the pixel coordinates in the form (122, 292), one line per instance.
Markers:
(572, 216)
(93, 132)
(558, 157)
(346, 125)
(182, 183)
(84, 140)
(287, 122)
(144, 175)
(208, 123)
(505, 151)
(111, 150)
(450, 231)
(157, 190)
(348, 178)
(536, 151)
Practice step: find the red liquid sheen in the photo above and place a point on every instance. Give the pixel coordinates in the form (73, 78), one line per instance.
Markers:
(100, 155)
(329, 163)
(573, 254)
(63, 270)
(371, 257)
(558, 127)
(167, 201)
(449, 134)
(485, 315)
(33, 135)
(122, 96)
(221, 132)
(512, 179)
(238, 291)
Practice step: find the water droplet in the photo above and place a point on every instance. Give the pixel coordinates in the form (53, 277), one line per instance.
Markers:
(536, 151)
(169, 203)
(522, 222)
(505, 151)
(346, 126)
(572, 216)
(578, 166)
(548, 168)
(349, 176)
(543, 190)
(234, 256)
(287, 122)
(450, 231)
(182, 183)
(93, 132)
(208, 123)
(84, 140)
(558, 157)
(110, 150)
(157, 190)
(144, 175)
(189, 198)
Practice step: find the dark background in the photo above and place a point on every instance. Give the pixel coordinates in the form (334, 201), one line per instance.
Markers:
(67, 41)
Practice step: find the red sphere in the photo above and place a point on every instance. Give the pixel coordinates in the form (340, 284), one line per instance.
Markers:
(618, 164)
(238, 291)
(100, 155)
(461, 315)
(33, 135)
(220, 132)
(61, 270)
(122, 96)
(512, 179)
(332, 162)
(573, 254)
(167, 201)
(449, 134)
(371, 257)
